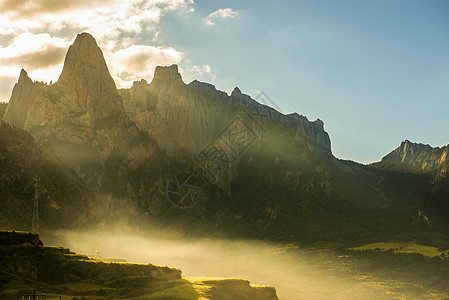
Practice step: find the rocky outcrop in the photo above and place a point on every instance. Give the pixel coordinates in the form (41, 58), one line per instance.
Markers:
(12, 238)
(21, 99)
(89, 88)
(81, 115)
(416, 158)
(197, 122)
(74, 109)
(188, 117)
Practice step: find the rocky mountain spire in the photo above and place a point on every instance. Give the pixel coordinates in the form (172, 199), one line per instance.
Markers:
(20, 101)
(166, 77)
(84, 59)
(23, 78)
(86, 74)
(84, 96)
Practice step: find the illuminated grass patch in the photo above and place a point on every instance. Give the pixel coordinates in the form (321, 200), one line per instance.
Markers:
(404, 247)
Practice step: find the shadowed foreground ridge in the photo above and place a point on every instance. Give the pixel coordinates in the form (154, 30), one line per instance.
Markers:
(25, 262)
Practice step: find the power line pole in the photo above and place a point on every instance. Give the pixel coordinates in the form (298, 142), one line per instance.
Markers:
(35, 224)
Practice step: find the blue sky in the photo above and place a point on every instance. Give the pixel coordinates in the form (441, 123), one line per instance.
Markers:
(376, 72)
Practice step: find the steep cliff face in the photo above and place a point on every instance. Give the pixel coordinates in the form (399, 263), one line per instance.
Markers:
(75, 108)
(81, 115)
(196, 122)
(89, 87)
(21, 99)
(416, 158)
(188, 117)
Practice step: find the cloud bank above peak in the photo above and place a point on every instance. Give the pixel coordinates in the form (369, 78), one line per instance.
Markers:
(35, 35)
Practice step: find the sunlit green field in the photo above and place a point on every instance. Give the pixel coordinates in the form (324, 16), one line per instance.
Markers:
(405, 247)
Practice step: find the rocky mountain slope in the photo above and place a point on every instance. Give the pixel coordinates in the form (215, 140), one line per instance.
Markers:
(164, 108)
(416, 158)
(2, 109)
(205, 162)
(54, 271)
(434, 164)
(81, 115)
(63, 199)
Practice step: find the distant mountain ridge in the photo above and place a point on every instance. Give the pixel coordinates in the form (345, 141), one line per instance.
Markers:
(431, 161)
(416, 158)
(168, 102)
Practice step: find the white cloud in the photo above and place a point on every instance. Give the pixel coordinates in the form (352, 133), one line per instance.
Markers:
(139, 61)
(105, 19)
(7, 83)
(117, 25)
(155, 36)
(29, 8)
(199, 72)
(222, 13)
(40, 54)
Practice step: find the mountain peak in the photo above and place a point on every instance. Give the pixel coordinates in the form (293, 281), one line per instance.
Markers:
(166, 76)
(85, 36)
(86, 79)
(405, 145)
(236, 92)
(84, 62)
(23, 78)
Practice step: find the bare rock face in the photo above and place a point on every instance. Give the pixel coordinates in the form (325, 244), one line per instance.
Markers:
(196, 121)
(190, 116)
(178, 116)
(82, 114)
(416, 158)
(22, 94)
(75, 108)
(86, 76)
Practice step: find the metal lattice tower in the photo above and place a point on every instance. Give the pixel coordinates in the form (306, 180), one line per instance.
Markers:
(35, 224)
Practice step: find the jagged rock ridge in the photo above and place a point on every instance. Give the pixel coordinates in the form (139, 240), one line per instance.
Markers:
(416, 158)
(196, 121)
(189, 116)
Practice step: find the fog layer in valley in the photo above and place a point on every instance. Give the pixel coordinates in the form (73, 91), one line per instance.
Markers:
(296, 274)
